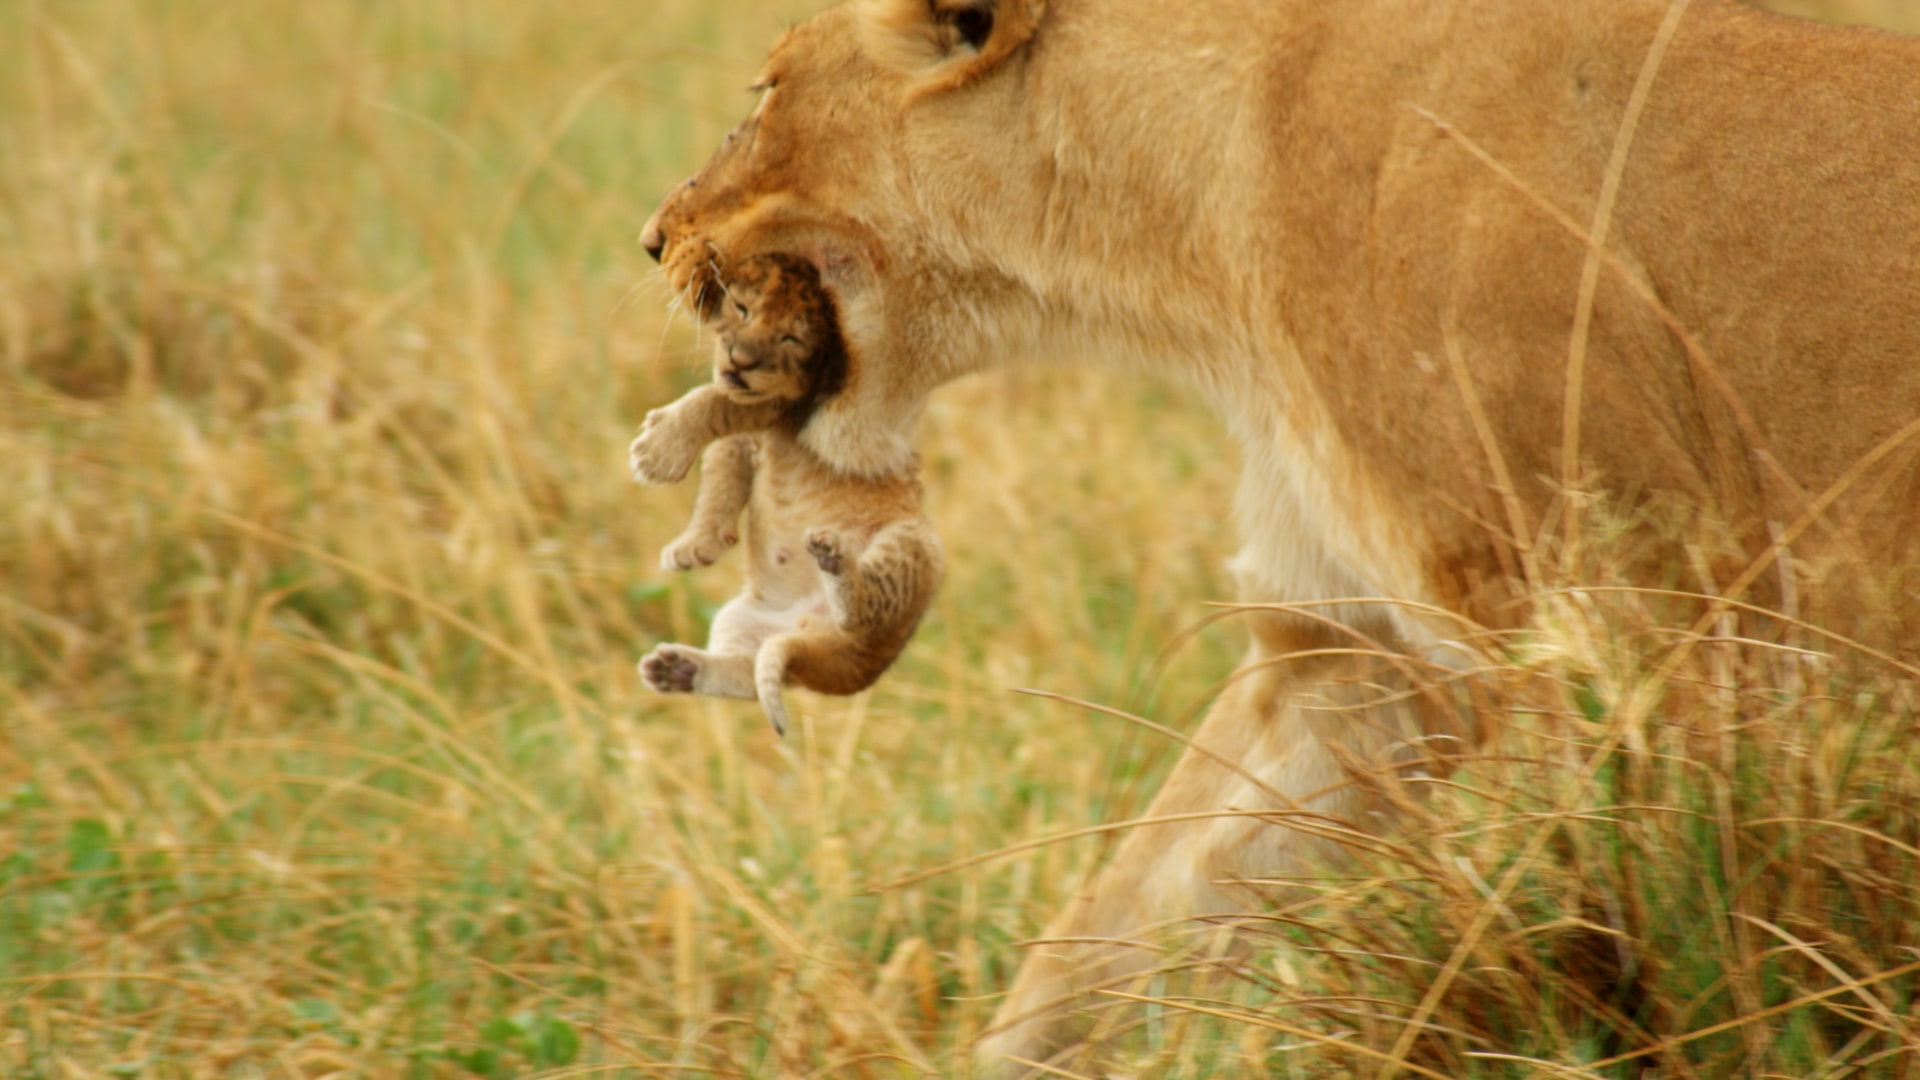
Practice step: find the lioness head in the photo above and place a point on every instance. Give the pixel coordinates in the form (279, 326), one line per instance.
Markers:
(862, 144)
(778, 339)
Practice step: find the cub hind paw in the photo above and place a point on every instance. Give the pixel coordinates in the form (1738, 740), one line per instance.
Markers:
(670, 669)
(827, 549)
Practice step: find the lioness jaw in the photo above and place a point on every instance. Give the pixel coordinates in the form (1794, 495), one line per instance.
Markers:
(1374, 234)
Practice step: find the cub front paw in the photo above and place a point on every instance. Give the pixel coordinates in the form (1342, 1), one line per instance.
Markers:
(827, 549)
(670, 669)
(691, 550)
(659, 455)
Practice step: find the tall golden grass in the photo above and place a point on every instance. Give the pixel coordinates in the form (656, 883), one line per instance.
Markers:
(322, 332)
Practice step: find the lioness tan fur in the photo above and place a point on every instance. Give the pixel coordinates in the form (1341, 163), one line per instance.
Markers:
(835, 620)
(1439, 264)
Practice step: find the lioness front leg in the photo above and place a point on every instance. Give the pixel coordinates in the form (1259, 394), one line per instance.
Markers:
(672, 436)
(1277, 724)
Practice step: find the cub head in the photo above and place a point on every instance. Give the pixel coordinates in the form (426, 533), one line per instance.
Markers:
(779, 339)
(870, 155)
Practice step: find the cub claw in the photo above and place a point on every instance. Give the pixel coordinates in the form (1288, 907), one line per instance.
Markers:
(669, 669)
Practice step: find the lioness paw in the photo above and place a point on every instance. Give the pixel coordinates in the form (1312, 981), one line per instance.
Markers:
(827, 549)
(670, 669)
(659, 455)
(692, 549)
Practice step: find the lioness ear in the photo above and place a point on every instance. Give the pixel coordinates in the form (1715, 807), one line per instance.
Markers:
(946, 42)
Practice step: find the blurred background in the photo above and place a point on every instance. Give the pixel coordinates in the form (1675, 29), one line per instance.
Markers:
(1895, 14)
(323, 330)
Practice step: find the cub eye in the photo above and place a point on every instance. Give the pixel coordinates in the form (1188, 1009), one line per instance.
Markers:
(740, 309)
(790, 339)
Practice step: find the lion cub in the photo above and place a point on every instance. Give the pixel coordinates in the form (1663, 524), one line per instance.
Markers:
(833, 620)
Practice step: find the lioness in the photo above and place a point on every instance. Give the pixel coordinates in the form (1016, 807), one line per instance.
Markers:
(833, 622)
(1440, 264)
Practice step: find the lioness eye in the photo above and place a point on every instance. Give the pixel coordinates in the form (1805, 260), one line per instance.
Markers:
(974, 24)
(791, 340)
(740, 309)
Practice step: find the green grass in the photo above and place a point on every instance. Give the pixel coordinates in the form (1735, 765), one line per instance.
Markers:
(322, 333)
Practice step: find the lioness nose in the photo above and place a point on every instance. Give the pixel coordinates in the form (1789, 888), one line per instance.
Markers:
(653, 237)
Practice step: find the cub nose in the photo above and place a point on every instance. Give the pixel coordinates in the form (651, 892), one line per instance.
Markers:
(653, 238)
(738, 364)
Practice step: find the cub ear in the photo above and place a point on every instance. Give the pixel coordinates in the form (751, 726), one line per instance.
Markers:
(946, 42)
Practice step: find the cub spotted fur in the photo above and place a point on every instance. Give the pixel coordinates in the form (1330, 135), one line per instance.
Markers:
(840, 568)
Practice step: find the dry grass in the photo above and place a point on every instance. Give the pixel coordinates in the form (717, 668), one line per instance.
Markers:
(322, 332)
(1689, 854)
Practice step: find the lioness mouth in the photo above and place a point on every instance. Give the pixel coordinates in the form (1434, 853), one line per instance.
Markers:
(735, 380)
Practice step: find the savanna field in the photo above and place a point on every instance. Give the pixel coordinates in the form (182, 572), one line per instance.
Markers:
(323, 330)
